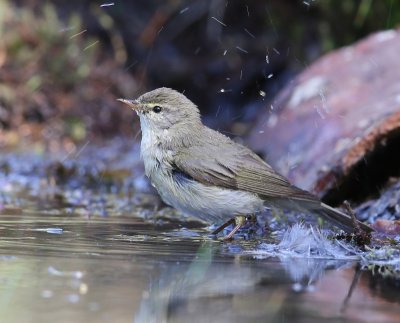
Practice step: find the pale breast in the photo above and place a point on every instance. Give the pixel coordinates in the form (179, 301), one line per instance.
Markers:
(209, 203)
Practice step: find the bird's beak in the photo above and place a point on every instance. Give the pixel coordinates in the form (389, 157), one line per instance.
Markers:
(133, 104)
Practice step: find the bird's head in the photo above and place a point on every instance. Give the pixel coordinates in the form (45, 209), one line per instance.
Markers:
(164, 108)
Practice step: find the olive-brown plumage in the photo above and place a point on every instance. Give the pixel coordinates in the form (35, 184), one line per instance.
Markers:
(206, 174)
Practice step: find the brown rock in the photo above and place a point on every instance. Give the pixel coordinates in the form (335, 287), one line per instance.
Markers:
(336, 129)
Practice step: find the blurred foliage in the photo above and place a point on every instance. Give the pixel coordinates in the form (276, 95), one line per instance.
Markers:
(51, 84)
(35, 41)
(344, 22)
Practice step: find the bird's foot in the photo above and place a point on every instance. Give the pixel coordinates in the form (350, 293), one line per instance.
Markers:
(239, 221)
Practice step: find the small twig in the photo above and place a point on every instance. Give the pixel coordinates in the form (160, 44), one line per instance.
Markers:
(353, 216)
(360, 237)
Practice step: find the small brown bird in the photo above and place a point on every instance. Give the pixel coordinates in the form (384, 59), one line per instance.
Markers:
(206, 174)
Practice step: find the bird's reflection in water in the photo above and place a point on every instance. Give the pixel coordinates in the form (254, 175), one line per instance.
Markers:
(218, 288)
(213, 288)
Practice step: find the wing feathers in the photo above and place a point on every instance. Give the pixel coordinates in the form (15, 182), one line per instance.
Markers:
(236, 167)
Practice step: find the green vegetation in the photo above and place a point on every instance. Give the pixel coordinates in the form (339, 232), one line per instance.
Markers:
(50, 76)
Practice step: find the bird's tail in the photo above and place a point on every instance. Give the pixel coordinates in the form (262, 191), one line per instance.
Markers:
(341, 219)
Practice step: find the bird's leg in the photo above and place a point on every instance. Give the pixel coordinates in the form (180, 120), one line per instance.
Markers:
(222, 227)
(239, 221)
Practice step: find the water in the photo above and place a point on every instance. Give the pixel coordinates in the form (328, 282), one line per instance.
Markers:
(122, 269)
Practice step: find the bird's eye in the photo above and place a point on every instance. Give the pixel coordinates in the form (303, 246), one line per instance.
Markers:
(157, 109)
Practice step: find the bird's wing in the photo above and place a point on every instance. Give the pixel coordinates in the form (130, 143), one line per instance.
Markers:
(236, 167)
